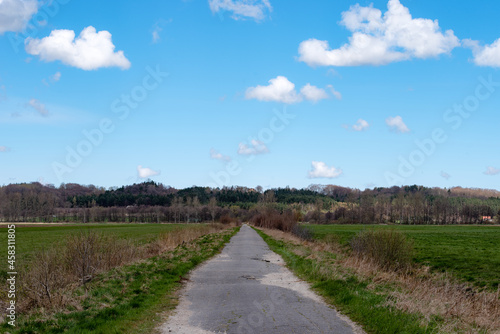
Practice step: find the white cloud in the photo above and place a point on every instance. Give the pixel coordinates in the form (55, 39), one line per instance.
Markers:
(218, 156)
(445, 175)
(145, 172)
(4, 149)
(280, 89)
(397, 124)
(241, 9)
(321, 170)
(56, 77)
(89, 51)
(39, 107)
(488, 55)
(156, 35)
(15, 14)
(313, 93)
(492, 171)
(360, 125)
(337, 95)
(255, 147)
(380, 40)
(158, 28)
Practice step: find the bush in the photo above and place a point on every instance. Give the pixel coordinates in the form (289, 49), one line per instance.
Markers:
(226, 219)
(42, 283)
(389, 249)
(272, 218)
(302, 232)
(88, 253)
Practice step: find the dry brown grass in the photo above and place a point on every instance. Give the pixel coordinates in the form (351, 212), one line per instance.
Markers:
(461, 306)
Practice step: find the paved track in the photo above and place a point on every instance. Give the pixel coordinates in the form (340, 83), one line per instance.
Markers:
(246, 289)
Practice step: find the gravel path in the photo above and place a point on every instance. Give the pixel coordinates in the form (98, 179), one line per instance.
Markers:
(247, 289)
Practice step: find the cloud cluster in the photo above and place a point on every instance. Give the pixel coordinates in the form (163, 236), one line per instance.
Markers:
(15, 14)
(145, 172)
(242, 9)
(4, 149)
(89, 51)
(321, 170)
(397, 124)
(255, 147)
(381, 39)
(280, 89)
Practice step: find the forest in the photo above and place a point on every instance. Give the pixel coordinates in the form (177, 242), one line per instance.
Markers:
(153, 202)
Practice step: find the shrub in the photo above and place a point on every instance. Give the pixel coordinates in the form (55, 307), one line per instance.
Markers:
(41, 284)
(302, 232)
(272, 218)
(226, 219)
(389, 249)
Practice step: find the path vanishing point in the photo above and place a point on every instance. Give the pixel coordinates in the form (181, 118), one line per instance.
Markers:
(247, 289)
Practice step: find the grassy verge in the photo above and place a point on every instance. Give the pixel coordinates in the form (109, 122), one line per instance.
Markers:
(128, 299)
(470, 253)
(364, 303)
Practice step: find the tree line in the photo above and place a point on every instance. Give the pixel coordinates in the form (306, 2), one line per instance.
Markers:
(323, 204)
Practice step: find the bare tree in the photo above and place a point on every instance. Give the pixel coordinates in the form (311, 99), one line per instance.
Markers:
(212, 206)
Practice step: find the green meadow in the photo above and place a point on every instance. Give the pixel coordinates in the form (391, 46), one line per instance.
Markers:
(30, 239)
(470, 253)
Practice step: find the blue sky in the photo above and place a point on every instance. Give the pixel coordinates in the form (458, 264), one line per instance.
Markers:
(255, 92)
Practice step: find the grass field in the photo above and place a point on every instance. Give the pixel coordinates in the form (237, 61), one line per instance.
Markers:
(31, 238)
(471, 253)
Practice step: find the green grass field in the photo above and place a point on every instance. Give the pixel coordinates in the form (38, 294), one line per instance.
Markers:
(471, 253)
(29, 239)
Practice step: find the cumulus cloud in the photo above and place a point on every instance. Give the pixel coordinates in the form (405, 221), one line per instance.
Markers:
(280, 89)
(255, 147)
(445, 175)
(397, 124)
(242, 9)
(487, 55)
(4, 149)
(313, 93)
(321, 170)
(91, 50)
(381, 39)
(218, 156)
(15, 14)
(492, 171)
(144, 172)
(39, 107)
(360, 125)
